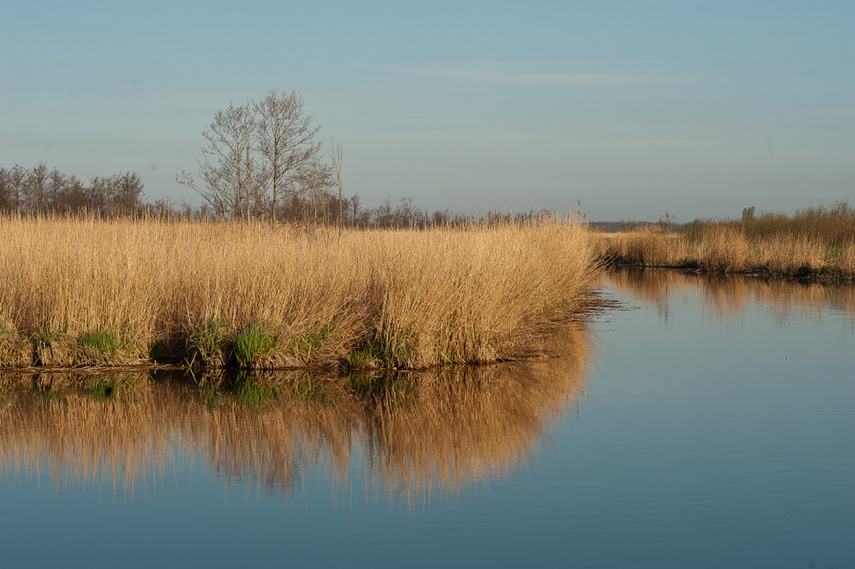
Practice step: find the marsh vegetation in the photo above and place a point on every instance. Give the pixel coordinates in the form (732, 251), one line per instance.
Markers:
(86, 291)
(814, 242)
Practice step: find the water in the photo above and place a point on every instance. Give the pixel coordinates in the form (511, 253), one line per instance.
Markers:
(707, 423)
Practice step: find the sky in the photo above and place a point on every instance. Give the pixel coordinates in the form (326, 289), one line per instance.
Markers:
(618, 110)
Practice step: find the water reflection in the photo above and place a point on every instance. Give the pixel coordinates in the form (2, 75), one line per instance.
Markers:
(412, 434)
(729, 296)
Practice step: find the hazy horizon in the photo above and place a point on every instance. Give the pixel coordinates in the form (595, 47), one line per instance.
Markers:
(622, 110)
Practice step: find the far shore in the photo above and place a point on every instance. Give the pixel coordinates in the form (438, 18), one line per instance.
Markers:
(816, 243)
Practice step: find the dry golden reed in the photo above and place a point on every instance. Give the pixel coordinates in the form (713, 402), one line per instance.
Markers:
(95, 292)
(728, 248)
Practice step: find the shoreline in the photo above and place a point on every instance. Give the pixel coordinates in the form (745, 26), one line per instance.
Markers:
(809, 277)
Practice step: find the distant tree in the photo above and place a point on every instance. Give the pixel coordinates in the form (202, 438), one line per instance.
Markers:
(73, 197)
(36, 189)
(666, 221)
(406, 215)
(126, 193)
(337, 157)
(356, 215)
(5, 191)
(441, 218)
(383, 216)
(748, 213)
(286, 141)
(228, 169)
(262, 159)
(100, 196)
(16, 179)
(57, 182)
(43, 191)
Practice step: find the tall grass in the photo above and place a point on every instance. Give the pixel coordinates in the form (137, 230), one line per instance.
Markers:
(818, 241)
(86, 291)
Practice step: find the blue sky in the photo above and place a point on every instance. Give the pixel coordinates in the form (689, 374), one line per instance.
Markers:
(621, 109)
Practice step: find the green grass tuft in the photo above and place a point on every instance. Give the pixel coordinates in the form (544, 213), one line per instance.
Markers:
(102, 341)
(209, 344)
(252, 342)
(368, 356)
(47, 335)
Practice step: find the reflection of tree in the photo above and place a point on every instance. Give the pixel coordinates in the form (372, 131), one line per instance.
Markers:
(418, 433)
(731, 295)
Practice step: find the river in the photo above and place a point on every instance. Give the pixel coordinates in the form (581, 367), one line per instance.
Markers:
(703, 422)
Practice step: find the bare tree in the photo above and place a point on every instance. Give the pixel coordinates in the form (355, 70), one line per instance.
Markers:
(36, 189)
(286, 140)
(72, 197)
(6, 203)
(126, 193)
(336, 157)
(262, 159)
(315, 185)
(17, 176)
(230, 175)
(99, 196)
(57, 183)
(354, 211)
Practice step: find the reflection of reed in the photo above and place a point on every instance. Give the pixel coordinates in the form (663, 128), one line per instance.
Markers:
(62, 426)
(418, 432)
(132, 435)
(462, 426)
(731, 295)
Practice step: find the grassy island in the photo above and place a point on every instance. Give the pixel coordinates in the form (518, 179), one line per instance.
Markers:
(91, 292)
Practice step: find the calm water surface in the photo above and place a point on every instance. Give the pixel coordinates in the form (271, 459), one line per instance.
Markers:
(707, 423)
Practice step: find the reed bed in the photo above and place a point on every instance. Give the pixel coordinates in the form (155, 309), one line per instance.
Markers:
(833, 225)
(814, 242)
(417, 434)
(83, 292)
(730, 248)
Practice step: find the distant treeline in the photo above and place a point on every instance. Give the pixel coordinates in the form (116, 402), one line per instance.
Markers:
(46, 191)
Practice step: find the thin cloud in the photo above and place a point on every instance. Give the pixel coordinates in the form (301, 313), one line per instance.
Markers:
(575, 80)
